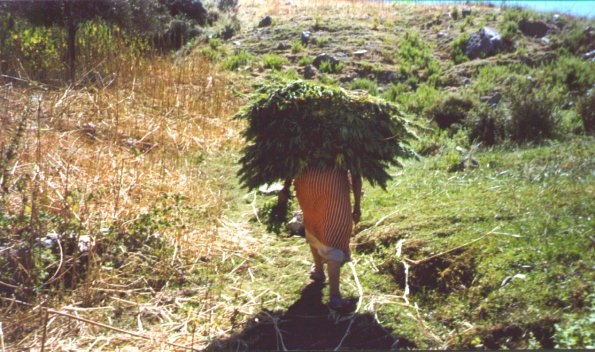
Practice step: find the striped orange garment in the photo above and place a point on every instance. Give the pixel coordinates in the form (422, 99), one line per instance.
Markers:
(323, 195)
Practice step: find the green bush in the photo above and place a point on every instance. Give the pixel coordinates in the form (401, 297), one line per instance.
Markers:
(305, 61)
(450, 110)
(508, 31)
(416, 62)
(532, 114)
(274, 61)
(330, 67)
(575, 39)
(365, 84)
(415, 101)
(240, 59)
(572, 73)
(486, 124)
(495, 77)
(296, 46)
(458, 48)
(586, 110)
(320, 41)
(38, 50)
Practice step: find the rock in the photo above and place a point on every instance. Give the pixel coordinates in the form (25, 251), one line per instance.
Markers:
(306, 37)
(589, 55)
(295, 226)
(309, 71)
(265, 22)
(360, 53)
(492, 100)
(318, 60)
(535, 29)
(466, 12)
(283, 46)
(486, 42)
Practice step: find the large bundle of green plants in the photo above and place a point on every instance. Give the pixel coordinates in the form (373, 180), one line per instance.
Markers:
(297, 124)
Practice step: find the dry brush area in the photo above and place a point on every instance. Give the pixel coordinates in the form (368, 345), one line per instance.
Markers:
(104, 164)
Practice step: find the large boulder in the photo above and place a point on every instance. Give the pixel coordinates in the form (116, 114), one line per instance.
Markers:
(485, 43)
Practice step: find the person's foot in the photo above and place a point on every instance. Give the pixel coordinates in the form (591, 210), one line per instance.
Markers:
(342, 305)
(317, 275)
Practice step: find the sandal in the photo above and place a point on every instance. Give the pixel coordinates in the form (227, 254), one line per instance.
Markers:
(342, 306)
(317, 275)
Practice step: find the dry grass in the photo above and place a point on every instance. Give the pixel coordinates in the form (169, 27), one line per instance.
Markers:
(101, 156)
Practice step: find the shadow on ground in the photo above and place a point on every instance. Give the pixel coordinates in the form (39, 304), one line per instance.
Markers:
(307, 325)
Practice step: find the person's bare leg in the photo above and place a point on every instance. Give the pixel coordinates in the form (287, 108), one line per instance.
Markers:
(334, 274)
(317, 271)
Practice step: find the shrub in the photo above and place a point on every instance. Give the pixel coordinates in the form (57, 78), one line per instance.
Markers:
(274, 61)
(532, 115)
(330, 67)
(239, 59)
(586, 110)
(320, 41)
(305, 61)
(576, 39)
(508, 31)
(227, 5)
(494, 77)
(486, 124)
(297, 46)
(415, 59)
(458, 48)
(365, 84)
(576, 74)
(414, 101)
(450, 110)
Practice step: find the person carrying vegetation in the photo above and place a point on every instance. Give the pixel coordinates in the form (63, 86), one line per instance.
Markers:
(326, 139)
(324, 198)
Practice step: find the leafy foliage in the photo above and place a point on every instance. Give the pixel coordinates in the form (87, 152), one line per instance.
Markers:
(274, 62)
(586, 108)
(532, 114)
(299, 124)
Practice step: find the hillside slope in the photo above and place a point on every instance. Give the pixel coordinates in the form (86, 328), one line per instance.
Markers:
(486, 241)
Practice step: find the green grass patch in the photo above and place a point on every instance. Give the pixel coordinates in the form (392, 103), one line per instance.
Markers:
(482, 240)
(274, 62)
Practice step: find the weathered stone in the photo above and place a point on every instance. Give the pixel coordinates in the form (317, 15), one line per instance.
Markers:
(283, 46)
(318, 60)
(295, 226)
(360, 53)
(486, 42)
(306, 37)
(309, 71)
(265, 22)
